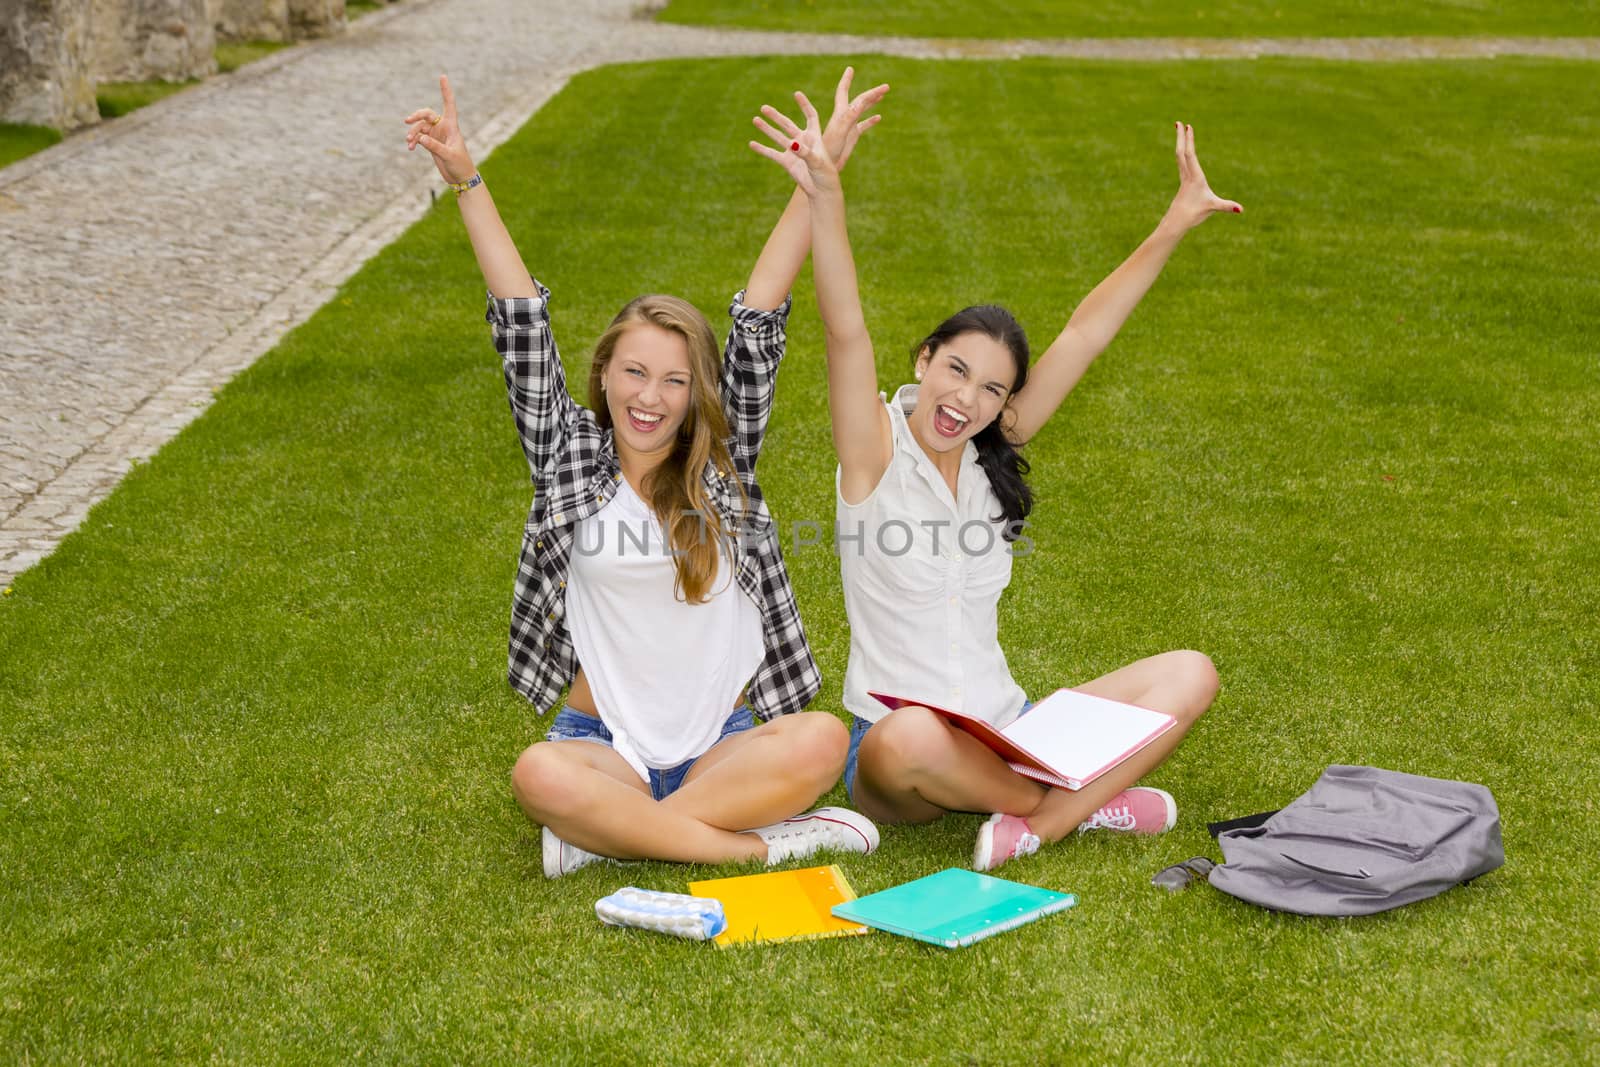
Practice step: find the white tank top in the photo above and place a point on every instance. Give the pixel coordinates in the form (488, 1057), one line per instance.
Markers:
(923, 572)
(665, 674)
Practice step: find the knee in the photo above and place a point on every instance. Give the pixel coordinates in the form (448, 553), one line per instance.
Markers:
(541, 782)
(1197, 677)
(906, 744)
(818, 744)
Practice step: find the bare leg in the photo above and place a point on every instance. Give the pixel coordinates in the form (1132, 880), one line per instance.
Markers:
(589, 797)
(1182, 684)
(766, 774)
(914, 767)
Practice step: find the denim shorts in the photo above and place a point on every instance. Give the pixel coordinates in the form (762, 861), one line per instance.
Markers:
(858, 730)
(573, 725)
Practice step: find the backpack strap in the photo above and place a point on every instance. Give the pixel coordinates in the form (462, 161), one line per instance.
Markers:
(1246, 822)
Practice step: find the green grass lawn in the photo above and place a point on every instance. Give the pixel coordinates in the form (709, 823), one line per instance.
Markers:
(119, 98)
(1141, 18)
(231, 55)
(254, 727)
(18, 140)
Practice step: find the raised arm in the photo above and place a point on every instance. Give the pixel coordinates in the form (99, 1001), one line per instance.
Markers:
(498, 259)
(1101, 314)
(861, 431)
(780, 260)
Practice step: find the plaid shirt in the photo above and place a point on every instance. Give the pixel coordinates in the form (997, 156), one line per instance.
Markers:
(574, 466)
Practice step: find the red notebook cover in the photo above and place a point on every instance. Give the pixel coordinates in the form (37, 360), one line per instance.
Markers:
(1152, 725)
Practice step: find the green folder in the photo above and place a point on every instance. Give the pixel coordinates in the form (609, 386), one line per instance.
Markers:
(954, 908)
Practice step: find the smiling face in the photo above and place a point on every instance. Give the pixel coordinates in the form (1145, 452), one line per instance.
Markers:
(648, 387)
(965, 383)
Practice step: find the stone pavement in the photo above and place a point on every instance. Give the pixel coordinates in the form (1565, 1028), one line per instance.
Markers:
(147, 261)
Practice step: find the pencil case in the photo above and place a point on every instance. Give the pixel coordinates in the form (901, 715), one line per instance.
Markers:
(677, 914)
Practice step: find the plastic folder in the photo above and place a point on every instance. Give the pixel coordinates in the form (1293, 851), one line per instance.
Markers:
(780, 905)
(955, 907)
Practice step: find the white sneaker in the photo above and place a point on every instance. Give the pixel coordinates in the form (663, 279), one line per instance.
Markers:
(561, 858)
(796, 838)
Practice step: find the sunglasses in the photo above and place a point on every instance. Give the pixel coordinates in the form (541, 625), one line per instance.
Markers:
(1180, 875)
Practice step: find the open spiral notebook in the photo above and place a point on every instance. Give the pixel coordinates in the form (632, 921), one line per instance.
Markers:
(1068, 739)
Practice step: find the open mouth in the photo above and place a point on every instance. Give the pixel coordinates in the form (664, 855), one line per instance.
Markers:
(948, 421)
(643, 421)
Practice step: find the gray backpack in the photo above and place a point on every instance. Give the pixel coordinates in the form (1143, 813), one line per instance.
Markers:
(1361, 840)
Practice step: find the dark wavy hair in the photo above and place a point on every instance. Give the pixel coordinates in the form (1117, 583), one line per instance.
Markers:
(1001, 461)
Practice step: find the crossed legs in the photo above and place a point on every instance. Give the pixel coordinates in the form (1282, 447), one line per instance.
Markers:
(913, 767)
(590, 797)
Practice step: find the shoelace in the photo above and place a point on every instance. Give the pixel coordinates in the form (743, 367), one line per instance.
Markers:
(1026, 845)
(1111, 819)
(797, 832)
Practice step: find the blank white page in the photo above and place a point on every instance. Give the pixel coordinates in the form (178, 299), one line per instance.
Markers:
(1079, 734)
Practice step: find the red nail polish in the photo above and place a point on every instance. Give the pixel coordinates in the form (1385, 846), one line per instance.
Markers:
(794, 146)
(1238, 210)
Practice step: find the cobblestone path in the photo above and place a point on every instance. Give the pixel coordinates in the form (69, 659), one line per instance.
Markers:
(144, 263)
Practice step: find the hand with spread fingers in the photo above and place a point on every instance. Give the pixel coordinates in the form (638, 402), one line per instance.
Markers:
(830, 145)
(1195, 201)
(802, 153)
(846, 124)
(440, 133)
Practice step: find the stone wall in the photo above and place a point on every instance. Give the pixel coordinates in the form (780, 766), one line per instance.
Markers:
(46, 76)
(53, 52)
(143, 40)
(253, 20)
(315, 18)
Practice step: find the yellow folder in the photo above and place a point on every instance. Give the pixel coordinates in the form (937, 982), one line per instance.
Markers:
(780, 905)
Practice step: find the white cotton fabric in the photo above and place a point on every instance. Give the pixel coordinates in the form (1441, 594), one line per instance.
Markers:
(924, 621)
(665, 674)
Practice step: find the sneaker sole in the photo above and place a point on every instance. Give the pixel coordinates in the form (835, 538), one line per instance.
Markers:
(550, 845)
(983, 848)
(1172, 808)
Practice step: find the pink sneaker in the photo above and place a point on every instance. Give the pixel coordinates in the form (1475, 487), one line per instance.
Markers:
(1003, 837)
(1139, 810)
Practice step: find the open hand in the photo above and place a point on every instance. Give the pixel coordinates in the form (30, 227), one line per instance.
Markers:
(1195, 201)
(846, 125)
(838, 138)
(440, 134)
(800, 152)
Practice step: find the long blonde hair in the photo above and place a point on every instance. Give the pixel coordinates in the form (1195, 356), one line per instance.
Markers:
(675, 490)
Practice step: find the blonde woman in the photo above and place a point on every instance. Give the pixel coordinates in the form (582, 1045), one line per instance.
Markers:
(650, 584)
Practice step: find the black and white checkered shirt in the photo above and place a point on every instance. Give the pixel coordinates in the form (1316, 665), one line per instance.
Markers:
(575, 471)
